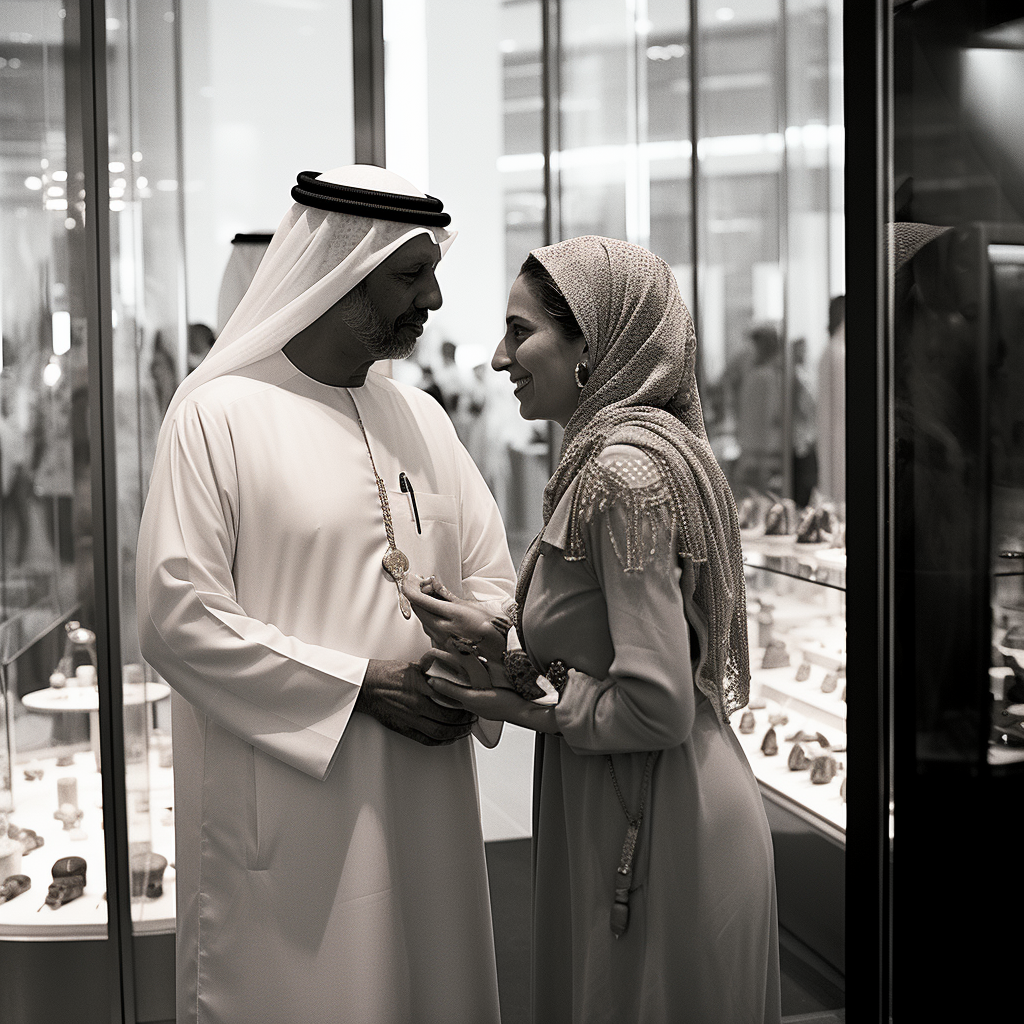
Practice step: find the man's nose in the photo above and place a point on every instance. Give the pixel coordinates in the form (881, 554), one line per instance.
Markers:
(500, 359)
(430, 296)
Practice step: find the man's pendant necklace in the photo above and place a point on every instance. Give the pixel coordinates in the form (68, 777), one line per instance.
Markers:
(395, 561)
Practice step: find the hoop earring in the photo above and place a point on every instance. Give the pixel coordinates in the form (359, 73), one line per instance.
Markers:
(582, 374)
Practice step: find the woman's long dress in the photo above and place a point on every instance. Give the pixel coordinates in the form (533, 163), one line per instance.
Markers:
(702, 943)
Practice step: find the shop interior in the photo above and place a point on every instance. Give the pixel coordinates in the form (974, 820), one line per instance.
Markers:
(712, 132)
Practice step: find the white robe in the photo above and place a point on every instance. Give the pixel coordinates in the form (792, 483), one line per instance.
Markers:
(328, 869)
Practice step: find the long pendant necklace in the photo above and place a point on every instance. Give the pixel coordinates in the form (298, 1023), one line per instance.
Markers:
(395, 561)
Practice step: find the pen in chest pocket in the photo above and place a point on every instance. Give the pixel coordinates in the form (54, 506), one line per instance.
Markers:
(406, 485)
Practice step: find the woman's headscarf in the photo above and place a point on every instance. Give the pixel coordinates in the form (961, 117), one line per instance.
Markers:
(642, 391)
(315, 257)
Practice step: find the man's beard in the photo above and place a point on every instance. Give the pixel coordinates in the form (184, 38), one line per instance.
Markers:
(375, 334)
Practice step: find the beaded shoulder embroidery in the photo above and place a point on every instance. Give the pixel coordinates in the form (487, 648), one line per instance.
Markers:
(628, 492)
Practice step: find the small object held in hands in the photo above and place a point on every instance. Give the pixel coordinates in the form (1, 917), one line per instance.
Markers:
(521, 674)
(770, 743)
(798, 760)
(747, 722)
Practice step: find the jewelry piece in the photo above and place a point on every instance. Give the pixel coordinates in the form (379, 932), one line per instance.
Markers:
(582, 374)
(624, 872)
(395, 562)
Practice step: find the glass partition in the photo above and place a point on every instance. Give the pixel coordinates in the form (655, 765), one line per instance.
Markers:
(52, 866)
(147, 292)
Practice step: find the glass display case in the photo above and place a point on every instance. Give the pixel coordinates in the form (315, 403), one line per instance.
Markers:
(794, 728)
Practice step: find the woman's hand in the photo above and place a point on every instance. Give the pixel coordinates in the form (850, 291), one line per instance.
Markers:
(496, 704)
(454, 623)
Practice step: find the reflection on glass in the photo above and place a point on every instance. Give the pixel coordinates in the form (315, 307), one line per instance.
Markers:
(958, 376)
(50, 792)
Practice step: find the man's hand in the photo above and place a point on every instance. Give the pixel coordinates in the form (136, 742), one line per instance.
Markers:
(454, 623)
(398, 695)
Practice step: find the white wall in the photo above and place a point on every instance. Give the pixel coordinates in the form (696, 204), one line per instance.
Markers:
(267, 91)
(456, 82)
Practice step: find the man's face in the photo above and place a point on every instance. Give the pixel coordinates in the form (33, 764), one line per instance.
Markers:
(387, 310)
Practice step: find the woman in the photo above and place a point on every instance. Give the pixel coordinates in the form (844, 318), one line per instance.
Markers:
(654, 892)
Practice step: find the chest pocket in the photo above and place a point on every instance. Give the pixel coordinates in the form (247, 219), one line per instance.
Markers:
(435, 549)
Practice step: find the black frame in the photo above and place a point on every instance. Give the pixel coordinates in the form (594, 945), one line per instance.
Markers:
(867, 60)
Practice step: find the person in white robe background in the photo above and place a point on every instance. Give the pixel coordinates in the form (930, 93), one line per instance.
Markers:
(329, 861)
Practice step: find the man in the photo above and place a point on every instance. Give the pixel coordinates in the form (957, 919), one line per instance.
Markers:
(329, 855)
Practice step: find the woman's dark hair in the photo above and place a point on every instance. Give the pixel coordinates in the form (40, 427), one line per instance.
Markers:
(550, 296)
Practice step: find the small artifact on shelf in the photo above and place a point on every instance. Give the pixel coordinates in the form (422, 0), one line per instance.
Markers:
(33, 774)
(29, 839)
(816, 526)
(13, 886)
(747, 722)
(776, 520)
(830, 682)
(803, 672)
(68, 881)
(765, 625)
(823, 769)
(843, 697)
(842, 789)
(70, 815)
(749, 513)
(822, 741)
(757, 704)
(775, 655)
(798, 759)
(778, 718)
(1014, 638)
(147, 871)
(801, 737)
(770, 743)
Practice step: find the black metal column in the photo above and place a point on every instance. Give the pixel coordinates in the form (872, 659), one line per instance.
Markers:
(368, 80)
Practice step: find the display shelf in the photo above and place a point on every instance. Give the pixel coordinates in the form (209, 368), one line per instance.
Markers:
(35, 800)
(825, 801)
(816, 563)
(796, 603)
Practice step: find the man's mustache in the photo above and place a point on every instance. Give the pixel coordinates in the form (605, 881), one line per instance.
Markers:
(419, 319)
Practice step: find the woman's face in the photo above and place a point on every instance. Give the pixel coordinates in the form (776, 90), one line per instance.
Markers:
(539, 357)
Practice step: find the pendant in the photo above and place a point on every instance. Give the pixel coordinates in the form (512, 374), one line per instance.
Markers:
(396, 565)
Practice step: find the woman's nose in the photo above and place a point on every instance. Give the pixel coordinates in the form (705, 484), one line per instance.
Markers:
(500, 359)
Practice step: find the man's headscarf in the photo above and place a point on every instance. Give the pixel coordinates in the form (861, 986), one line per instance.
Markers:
(642, 391)
(343, 225)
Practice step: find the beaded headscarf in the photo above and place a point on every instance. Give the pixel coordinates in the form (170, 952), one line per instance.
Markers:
(642, 392)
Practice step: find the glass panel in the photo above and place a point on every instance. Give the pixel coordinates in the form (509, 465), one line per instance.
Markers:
(958, 377)
(148, 322)
(50, 792)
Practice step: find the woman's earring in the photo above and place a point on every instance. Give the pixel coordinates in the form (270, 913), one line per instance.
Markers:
(582, 374)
